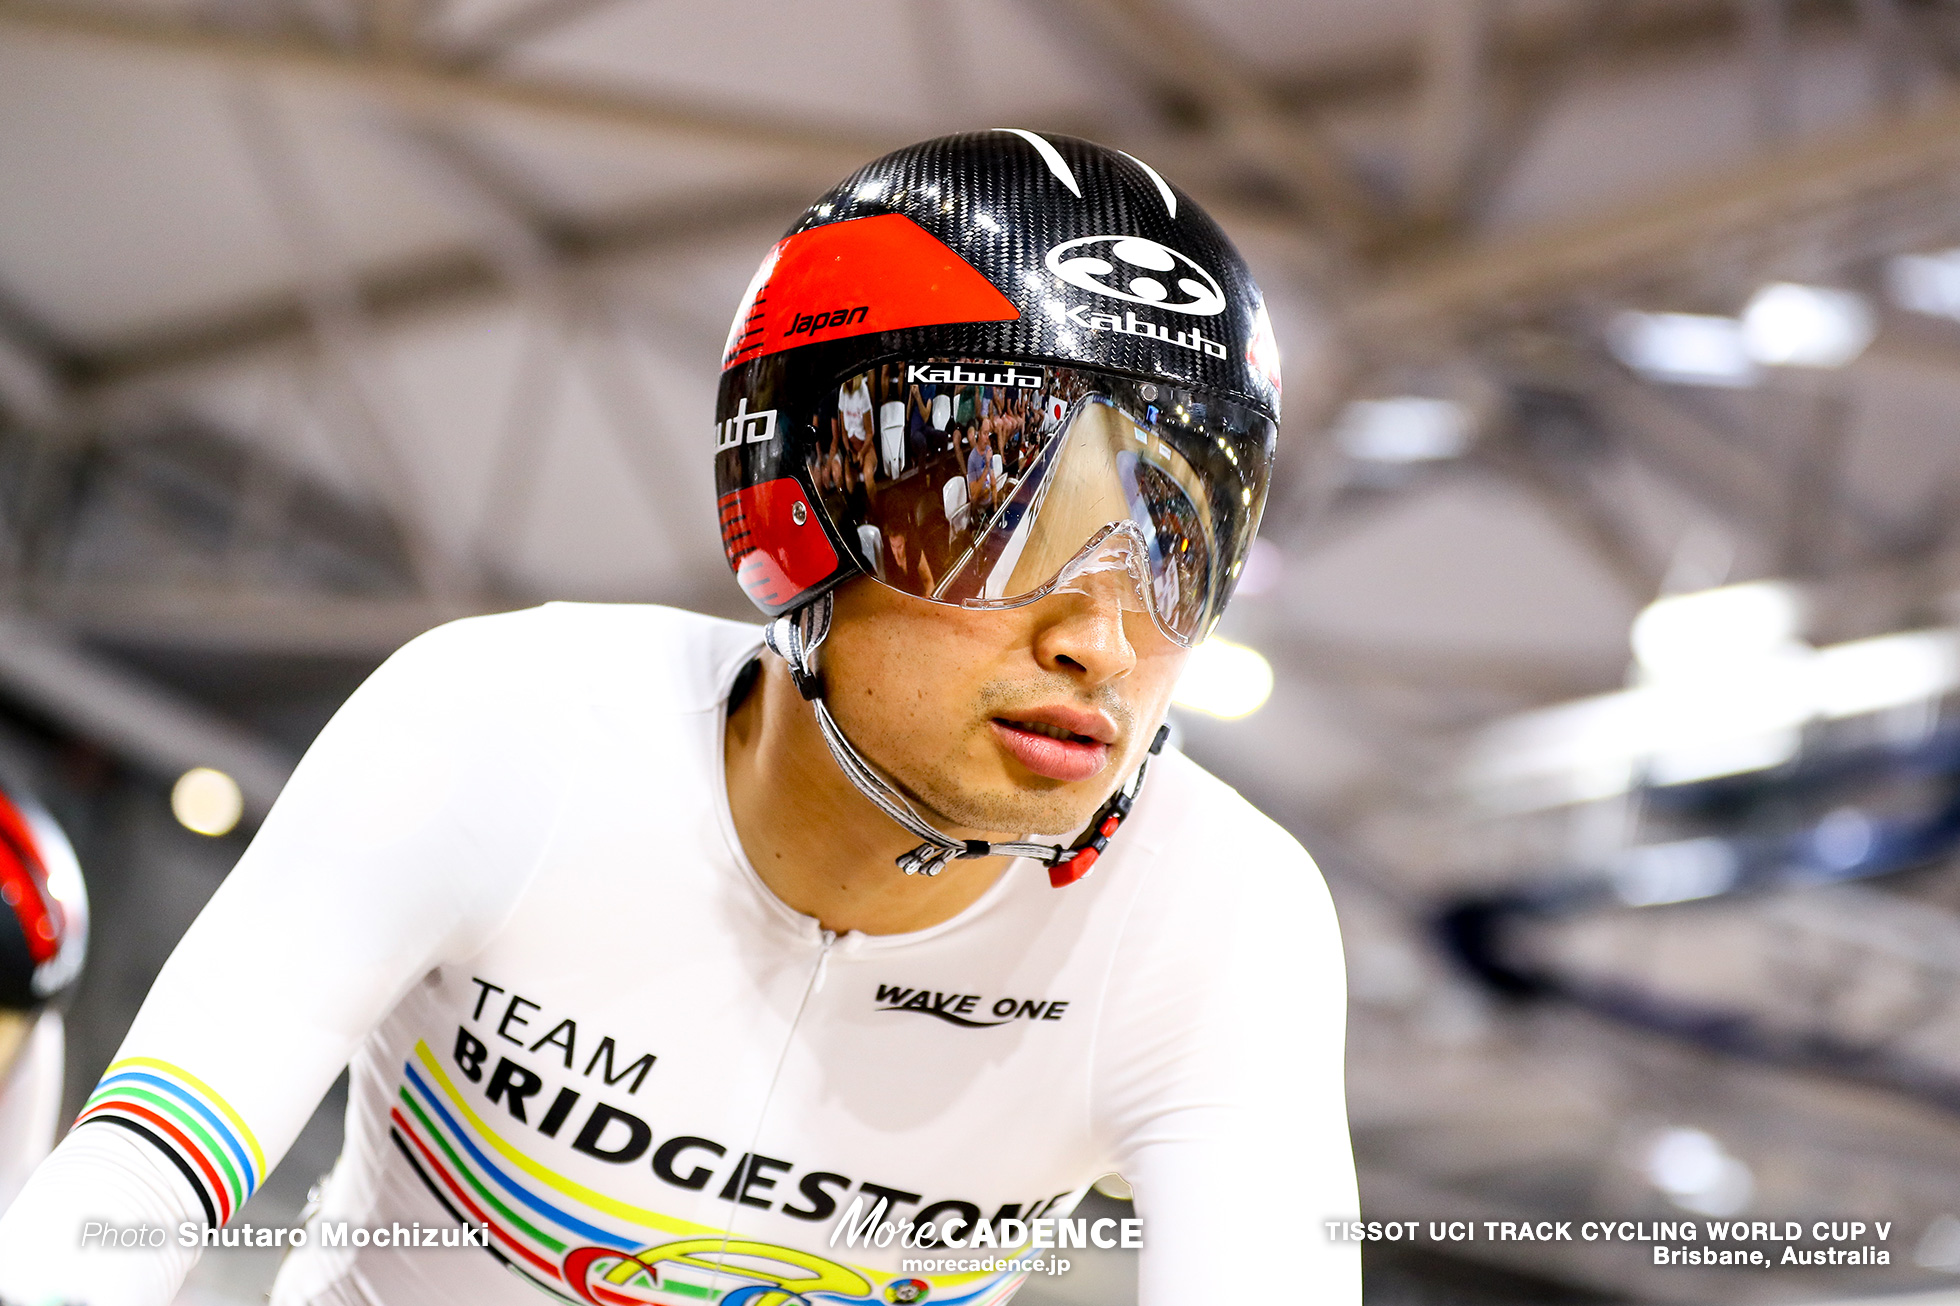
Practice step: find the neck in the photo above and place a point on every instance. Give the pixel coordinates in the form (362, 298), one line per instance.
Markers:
(819, 844)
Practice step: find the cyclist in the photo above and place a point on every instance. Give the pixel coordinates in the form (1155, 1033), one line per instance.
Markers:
(43, 937)
(676, 970)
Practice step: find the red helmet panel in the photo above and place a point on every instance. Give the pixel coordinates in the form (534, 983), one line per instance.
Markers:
(774, 541)
(883, 273)
(24, 887)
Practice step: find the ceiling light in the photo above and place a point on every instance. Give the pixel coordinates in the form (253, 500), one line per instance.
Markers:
(1716, 630)
(1403, 430)
(1692, 1169)
(1870, 675)
(1789, 325)
(1926, 283)
(1683, 348)
(1679, 726)
(206, 801)
(1224, 679)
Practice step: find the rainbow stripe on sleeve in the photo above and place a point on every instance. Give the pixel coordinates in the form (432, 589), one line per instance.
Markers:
(186, 1120)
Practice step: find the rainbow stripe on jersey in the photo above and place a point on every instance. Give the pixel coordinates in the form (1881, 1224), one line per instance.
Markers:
(186, 1120)
(582, 1245)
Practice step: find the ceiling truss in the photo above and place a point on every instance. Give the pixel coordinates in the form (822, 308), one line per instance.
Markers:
(1400, 261)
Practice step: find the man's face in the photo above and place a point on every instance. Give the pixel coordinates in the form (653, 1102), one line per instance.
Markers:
(961, 707)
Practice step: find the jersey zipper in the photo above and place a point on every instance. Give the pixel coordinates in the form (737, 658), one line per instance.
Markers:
(811, 987)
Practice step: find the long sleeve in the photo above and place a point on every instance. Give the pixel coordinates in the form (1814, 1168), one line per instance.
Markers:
(404, 838)
(1220, 1078)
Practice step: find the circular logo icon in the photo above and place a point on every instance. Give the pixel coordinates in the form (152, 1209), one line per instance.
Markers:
(907, 1290)
(1138, 271)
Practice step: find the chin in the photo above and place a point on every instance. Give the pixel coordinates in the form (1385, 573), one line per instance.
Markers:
(981, 796)
(1013, 813)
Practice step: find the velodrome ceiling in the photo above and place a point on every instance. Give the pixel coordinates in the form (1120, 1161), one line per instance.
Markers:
(324, 320)
(468, 265)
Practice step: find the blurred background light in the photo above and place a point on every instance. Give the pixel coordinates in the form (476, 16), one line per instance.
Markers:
(1939, 1246)
(1691, 1167)
(1790, 325)
(1224, 679)
(1784, 325)
(1741, 717)
(1870, 675)
(1716, 630)
(1926, 283)
(1407, 429)
(1683, 348)
(207, 801)
(1725, 687)
(1844, 839)
(1675, 872)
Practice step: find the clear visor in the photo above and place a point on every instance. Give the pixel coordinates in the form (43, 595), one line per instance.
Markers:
(994, 485)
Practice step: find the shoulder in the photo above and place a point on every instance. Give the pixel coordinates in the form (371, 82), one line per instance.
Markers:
(645, 654)
(1228, 933)
(1202, 852)
(1186, 812)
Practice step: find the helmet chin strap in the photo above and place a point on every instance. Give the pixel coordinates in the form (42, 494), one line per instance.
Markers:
(796, 637)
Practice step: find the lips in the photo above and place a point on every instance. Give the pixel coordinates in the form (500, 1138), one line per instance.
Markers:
(1036, 745)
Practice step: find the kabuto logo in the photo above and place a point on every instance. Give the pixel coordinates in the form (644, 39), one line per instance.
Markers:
(960, 374)
(745, 427)
(1131, 325)
(958, 1008)
(1134, 270)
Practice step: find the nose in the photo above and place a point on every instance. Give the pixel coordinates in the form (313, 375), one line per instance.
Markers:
(1082, 632)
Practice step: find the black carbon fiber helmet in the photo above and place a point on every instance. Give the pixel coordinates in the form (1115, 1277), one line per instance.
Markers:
(870, 349)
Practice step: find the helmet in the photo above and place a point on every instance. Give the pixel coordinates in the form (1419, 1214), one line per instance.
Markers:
(978, 368)
(43, 910)
(944, 318)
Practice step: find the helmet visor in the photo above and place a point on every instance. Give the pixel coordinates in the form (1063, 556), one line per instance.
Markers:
(990, 484)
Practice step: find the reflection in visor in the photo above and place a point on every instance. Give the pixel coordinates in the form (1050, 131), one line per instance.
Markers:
(981, 484)
(1102, 471)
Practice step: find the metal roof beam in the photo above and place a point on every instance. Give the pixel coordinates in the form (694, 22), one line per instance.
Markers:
(1452, 105)
(1526, 45)
(1245, 117)
(152, 727)
(1449, 284)
(433, 282)
(398, 73)
(1513, 278)
(517, 27)
(31, 390)
(34, 365)
(274, 623)
(1197, 59)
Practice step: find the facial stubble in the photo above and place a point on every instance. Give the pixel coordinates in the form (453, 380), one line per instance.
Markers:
(1055, 809)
